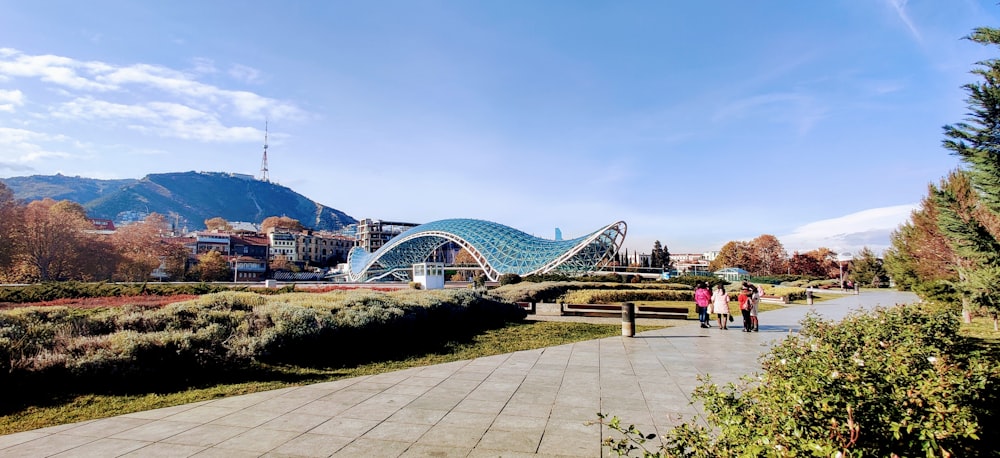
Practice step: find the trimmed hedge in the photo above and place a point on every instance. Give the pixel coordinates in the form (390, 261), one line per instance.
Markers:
(614, 296)
(554, 291)
(42, 292)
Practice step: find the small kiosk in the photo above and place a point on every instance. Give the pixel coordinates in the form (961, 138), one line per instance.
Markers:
(430, 275)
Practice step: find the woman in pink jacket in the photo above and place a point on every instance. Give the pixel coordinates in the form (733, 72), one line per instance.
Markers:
(702, 298)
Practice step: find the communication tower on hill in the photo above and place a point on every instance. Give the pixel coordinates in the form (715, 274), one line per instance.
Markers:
(263, 162)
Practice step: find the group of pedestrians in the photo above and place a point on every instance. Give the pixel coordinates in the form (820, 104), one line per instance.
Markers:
(709, 302)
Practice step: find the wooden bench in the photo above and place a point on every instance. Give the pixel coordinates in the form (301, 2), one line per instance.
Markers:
(527, 306)
(774, 299)
(612, 311)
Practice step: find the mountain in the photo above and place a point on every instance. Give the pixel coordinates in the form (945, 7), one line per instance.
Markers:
(61, 187)
(188, 197)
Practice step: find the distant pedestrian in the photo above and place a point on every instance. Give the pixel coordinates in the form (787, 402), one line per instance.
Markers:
(745, 303)
(720, 306)
(758, 292)
(702, 299)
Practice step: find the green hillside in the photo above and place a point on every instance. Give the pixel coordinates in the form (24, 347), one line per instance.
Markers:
(191, 197)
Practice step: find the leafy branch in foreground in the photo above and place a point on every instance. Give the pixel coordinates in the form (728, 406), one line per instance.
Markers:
(896, 381)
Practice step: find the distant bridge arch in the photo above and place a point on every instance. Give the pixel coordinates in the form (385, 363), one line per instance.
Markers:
(498, 250)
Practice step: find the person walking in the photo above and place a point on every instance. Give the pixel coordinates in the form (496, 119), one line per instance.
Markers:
(720, 306)
(745, 303)
(754, 302)
(702, 298)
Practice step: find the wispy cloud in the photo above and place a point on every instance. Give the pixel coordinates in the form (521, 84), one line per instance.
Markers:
(799, 110)
(850, 233)
(899, 6)
(244, 73)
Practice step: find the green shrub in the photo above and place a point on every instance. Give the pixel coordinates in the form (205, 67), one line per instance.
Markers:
(510, 279)
(230, 329)
(896, 381)
(548, 277)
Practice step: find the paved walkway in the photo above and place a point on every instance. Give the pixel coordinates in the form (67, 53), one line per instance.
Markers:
(529, 403)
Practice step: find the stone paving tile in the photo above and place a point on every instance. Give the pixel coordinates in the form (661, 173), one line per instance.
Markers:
(201, 414)
(412, 390)
(571, 439)
(102, 448)
(247, 418)
(156, 431)
(348, 397)
(418, 416)
(45, 446)
(431, 401)
(205, 435)
(422, 381)
(213, 452)
(518, 423)
(489, 394)
(396, 431)
(11, 440)
(165, 412)
(159, 449)
(468, 419)
(527, 409)
(257, 440)
(480, 406)
(310, 445)
(513, 441)
(464, 386)
(344, 427)
(369, 447)
(241, 402)
(452, 436)
(295, 422)
(60, 428)
(421, 451)
(320, 407)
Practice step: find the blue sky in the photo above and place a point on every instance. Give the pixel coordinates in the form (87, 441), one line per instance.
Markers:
(697, 123)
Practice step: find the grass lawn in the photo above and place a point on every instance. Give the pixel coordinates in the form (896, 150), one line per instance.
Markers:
(51, 409)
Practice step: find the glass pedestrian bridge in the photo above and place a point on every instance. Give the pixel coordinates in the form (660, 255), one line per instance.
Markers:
(498, 250)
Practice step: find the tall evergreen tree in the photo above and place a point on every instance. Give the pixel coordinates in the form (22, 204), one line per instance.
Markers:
(656, 256)
(667, 262)
(964, 219)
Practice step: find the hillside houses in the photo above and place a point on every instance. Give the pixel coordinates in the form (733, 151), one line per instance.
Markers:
(252, 256)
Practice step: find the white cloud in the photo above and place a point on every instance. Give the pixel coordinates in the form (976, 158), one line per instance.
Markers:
(11, 99)
(67, 73)
(22, 147)
(850, 233)
(796, 109)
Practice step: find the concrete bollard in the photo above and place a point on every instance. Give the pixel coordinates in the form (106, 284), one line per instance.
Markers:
(809, 297)
(628, 319)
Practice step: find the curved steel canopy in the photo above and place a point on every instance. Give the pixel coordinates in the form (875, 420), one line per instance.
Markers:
(498, 249)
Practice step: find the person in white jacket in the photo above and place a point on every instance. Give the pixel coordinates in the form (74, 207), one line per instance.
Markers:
(720, 306)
